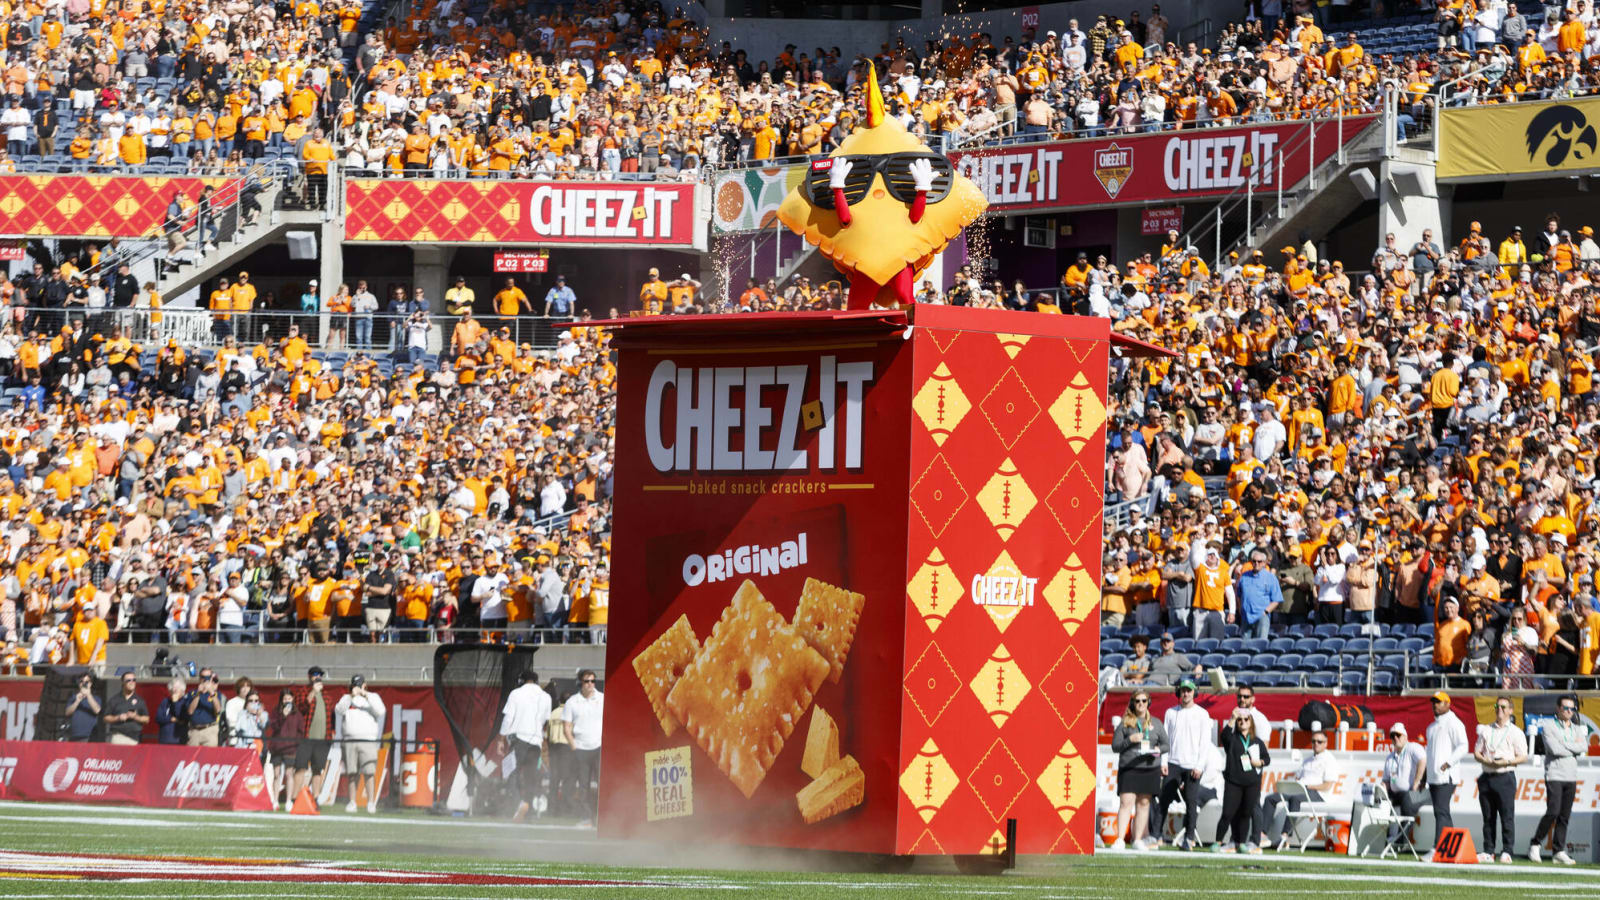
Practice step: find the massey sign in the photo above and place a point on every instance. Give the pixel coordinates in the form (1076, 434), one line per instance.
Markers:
(1134, 170)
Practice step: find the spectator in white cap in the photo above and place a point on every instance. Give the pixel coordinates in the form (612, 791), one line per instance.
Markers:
(1405, 771)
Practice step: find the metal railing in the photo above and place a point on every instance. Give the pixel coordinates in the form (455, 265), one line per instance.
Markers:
(381, 335)
(355, 632)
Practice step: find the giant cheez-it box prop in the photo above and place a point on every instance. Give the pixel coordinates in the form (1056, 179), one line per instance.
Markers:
(856, 571)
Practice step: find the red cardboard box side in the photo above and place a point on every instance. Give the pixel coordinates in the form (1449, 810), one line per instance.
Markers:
(1002, 599)
(853, 518)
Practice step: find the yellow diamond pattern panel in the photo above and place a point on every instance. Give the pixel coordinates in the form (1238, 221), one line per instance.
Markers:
(1067, 781)
(940, 404)
(1078, 412)
(1073, 594)
(1000, 685)
(928, 781)
(934, 590)
(1006, 499)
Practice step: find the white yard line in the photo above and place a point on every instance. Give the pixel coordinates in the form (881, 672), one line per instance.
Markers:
(1486, 879)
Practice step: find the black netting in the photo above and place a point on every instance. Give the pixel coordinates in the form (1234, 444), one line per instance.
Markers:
(470, 683)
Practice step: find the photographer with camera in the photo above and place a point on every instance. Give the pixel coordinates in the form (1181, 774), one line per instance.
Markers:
(361, 715)
(203, 710)
(83, 713)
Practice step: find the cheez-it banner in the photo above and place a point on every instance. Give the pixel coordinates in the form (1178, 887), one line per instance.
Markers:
(96, 206)
(1158, 167)
(1553, 138)
(573, 213)
(861, 552)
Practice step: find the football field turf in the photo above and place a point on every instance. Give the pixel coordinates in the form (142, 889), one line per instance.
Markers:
(59, 851)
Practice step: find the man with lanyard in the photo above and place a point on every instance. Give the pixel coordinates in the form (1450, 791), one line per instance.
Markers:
(1447, 746)
(522, 731)
(1405, 771)
(1319, 775)
(1501, 747)
(1189, 740)
(1564, 741)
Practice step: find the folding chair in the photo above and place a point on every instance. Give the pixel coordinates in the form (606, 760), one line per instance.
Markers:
(1309, 812)
(1382, 813)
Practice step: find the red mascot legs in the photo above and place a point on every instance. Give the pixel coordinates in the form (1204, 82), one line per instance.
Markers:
(864, 291)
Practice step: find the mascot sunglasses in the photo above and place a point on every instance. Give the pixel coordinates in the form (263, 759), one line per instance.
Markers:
(896, 171)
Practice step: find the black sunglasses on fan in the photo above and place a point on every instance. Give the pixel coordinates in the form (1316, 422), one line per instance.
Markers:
(896, 170)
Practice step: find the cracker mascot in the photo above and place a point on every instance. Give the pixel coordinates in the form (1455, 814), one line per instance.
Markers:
(881, 207)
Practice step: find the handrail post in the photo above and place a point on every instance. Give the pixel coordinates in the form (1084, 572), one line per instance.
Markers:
(1216, 260)
(1311, 161)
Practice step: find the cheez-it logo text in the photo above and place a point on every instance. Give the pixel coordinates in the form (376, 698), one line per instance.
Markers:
(750, 418)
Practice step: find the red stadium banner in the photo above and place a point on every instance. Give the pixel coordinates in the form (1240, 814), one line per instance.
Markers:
(413, 716)
(570, 213)
(153, 775)
(90, 206)
(1168, 166)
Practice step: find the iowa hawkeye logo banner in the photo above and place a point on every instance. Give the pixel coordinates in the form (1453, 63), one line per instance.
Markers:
(1527, 139)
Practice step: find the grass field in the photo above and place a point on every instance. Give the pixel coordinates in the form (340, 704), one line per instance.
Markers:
(50, 851)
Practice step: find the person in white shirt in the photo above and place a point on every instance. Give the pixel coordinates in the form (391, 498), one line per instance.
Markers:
(1188, 729)
(489, 593)
(1501, 747)
(1405, 771)
(360, 716)
(1447, 744)
(1318, 774)
(580, 717)
(522, 732)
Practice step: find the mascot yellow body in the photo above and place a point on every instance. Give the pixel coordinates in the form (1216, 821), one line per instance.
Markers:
(881, 207)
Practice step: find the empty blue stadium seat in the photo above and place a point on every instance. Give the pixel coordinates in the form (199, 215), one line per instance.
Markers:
(1361, 644)
(1385, 681)
(1231, 645)
(1386, 643)
(1314, 661)
(1404, 629)
(1349, 630)
(1107, 631)
(1111, 646)
(1213, 660)
(1413, 644)
(1256, 645)
(1262, 662)
(1183, 645)
(1237, 661)
(1425, 631)
(1114, 660)
(1327, 630)
(1321, 679)
(1281, 645)
(1353, 681)
(1207, 645)
(1229, 631)
(1333, 644)
(1290, 661)
(1307, 645)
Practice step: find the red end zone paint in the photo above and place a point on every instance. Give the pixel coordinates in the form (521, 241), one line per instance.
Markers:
(101, 867)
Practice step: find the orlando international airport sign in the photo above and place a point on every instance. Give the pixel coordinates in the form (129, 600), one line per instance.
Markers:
(1520, 140)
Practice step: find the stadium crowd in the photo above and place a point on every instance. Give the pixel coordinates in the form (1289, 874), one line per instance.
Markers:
(271, 493)
(625, 88)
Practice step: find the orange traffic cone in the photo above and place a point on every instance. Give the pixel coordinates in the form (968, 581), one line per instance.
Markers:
(305, 804)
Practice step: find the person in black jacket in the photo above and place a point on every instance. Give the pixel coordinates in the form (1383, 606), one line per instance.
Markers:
(1245, 759)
